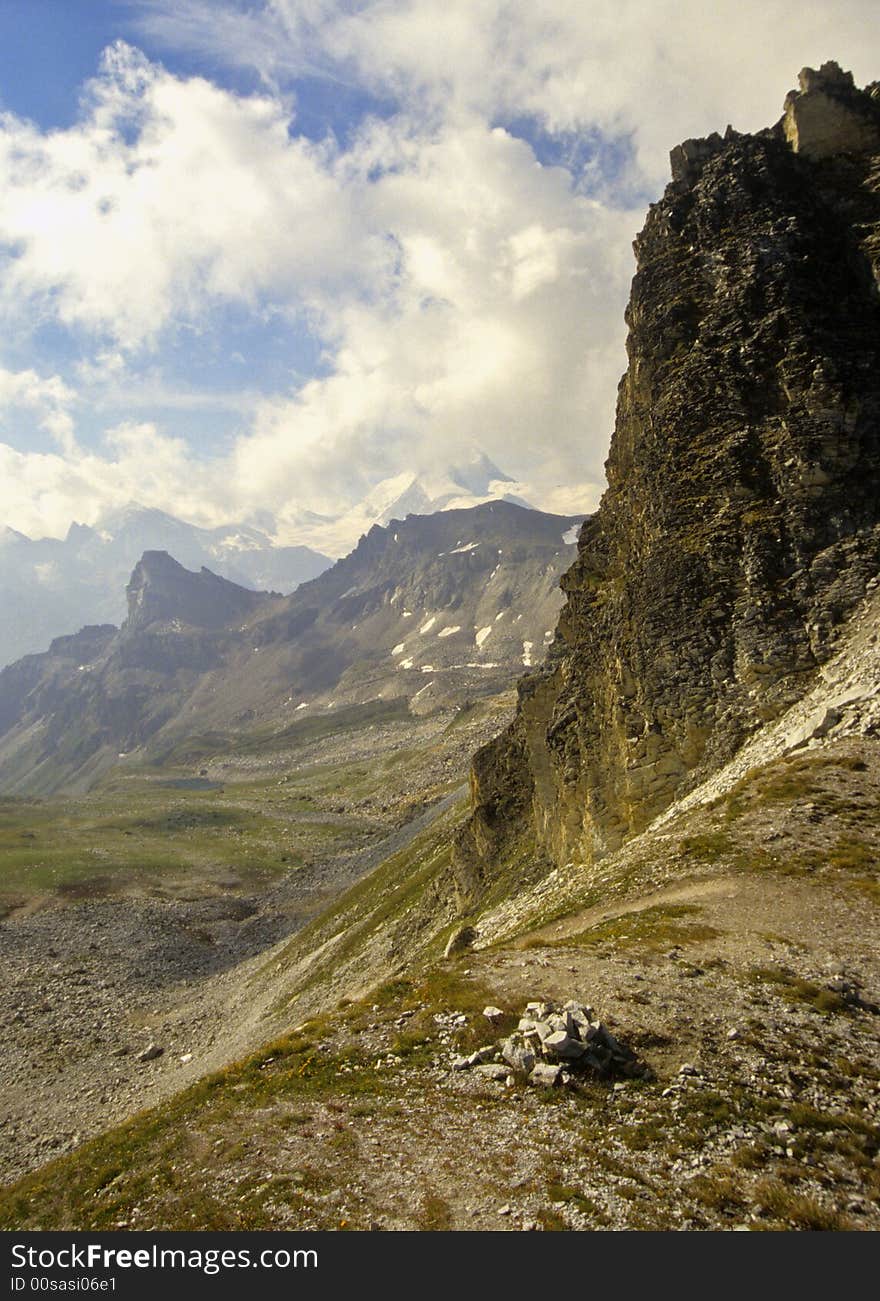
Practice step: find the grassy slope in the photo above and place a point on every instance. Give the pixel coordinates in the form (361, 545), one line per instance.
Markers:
(353, 1118)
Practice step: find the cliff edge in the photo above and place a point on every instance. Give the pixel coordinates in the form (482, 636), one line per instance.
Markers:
(741, 524)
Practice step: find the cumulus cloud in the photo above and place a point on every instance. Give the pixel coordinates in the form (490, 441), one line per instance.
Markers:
(168, 197)
(462, 290)
(502, 327)
(48, 398)
(659, 74)
(42, 492)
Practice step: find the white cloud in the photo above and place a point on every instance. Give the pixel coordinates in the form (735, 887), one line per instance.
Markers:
(41, 492)
(660, 72)
(168, 197)
(49, 399)
(502, 271)
(462, 293)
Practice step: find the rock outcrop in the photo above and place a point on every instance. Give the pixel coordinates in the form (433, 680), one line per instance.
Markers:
(741, 523)
(552, 1046)
(162, 591)
(828, 115)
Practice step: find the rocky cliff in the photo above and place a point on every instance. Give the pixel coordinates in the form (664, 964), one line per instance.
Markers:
(162, 591)
(741, 522)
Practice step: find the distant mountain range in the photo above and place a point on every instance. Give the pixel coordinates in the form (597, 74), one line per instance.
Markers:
(426, 612)
(49, 586)
(456, 487)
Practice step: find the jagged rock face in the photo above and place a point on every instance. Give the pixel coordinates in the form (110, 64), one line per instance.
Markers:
(829, 115)
(27, 675)
(162, 591)
(740, 524)
(175, 616)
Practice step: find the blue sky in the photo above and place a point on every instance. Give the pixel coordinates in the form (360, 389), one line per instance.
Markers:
(260, 254)
(49, 50)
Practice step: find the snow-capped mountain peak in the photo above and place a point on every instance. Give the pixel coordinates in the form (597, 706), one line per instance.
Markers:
(410, 492)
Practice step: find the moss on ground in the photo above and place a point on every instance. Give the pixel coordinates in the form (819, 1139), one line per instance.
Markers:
(798, 990)
(648, 930)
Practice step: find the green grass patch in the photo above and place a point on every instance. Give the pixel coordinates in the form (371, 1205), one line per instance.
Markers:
(707, 846)
(797, 1210)
(565, 1195)
(718, 1192)
(870, 888)
(831, 780)
(799, 990)
(434, 1214)
(137, 833)
(650, 929)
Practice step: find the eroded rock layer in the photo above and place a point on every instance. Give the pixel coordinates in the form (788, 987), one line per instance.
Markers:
(740, 524)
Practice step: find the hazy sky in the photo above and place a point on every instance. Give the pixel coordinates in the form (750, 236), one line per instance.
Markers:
(259, 254)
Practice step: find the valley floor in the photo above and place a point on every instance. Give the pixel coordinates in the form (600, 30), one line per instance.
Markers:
(763, 1112)
(735, 949)
(107, 948)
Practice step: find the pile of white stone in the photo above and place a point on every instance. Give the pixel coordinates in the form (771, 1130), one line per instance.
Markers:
(550, 1046)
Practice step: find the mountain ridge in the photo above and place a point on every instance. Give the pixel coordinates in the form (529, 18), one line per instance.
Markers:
(48, 585)
(427, 610)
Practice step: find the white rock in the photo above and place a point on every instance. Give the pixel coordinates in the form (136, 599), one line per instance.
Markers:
(517, 1055)
(545, 1074)
(493, 1072)
(559, 1044)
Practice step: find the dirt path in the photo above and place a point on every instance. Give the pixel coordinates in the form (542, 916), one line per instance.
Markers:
(687, 893)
